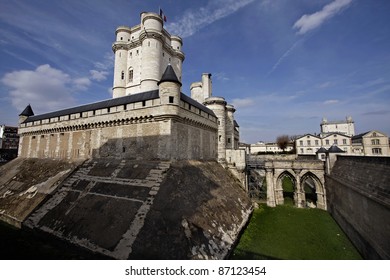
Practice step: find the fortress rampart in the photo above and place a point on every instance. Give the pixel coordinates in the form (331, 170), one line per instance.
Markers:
(358, 198)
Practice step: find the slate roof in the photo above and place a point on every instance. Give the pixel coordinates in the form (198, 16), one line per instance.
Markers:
(169, 76)
(196, 104)
(27, 111)
(335, 149)
(98, 105)
(144, 96)
(321, 150)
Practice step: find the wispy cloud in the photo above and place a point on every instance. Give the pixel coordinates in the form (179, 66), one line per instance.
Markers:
(284, 56)
(243, 102)
(331, 101)
(378, 112)
(309, 22)
(193, 20)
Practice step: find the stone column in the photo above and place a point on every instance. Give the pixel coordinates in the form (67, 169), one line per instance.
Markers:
(271, 202)
(299, 195)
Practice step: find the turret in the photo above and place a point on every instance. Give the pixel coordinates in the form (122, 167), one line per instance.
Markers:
(230, 126)
(169, 87)
(119, 48)
(151, 42)
(218, 106)
(27, 112)
(200, 91)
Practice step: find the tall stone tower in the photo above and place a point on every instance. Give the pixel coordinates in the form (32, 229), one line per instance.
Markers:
(142, 53)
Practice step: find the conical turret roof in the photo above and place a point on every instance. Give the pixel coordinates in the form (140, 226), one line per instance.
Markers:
(169, 76)
(27, 111)
(335, 149)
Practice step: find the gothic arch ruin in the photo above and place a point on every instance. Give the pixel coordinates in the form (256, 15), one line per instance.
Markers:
(307, 178)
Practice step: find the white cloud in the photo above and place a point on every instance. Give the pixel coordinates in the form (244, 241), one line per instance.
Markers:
(98, 75)
(221, 76)
(193, 20)
(81, 83)
(331, 102)
(45, 88)
(243, 102)
(312, 21)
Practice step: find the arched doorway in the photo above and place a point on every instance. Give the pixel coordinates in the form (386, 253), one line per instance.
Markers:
(288, 184)
(310, 185)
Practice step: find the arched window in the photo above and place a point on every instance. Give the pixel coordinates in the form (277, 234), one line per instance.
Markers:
(123, 75)
(130, 75)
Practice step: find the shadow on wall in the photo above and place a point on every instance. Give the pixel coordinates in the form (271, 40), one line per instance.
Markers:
(154, 148)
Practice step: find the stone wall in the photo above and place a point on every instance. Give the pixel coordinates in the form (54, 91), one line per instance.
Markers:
(358, 194)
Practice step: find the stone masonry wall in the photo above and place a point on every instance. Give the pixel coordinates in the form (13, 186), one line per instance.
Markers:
(358, 194)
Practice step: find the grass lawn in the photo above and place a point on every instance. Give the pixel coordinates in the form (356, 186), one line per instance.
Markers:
(290, 233)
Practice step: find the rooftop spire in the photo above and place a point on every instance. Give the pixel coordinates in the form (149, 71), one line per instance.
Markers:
(169, 76)
(27, 112)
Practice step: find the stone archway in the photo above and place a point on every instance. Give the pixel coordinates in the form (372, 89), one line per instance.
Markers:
(313, 189)
(301, 173)
(287, 184)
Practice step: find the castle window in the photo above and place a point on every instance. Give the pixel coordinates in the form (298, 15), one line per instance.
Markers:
(42, 136)
(327, 142)
(163, 54)
(301, 142)
(81, 115)
(228, 140)
(148, 44)
(316, 141)
(128, 40)
(137, 52)
(130, 75)
(376, 151)
(125, 107)
(143, 103)
(131, 54)
(335, 141)
(345, 141)
(219, 138)
(374, 134)
(121, 38)
(108, 110)
(308, 142)
(123, 149)
(171, 99)
(189, 107)
(33, 137)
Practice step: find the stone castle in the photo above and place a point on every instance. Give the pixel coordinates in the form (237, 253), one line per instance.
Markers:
(148, 117)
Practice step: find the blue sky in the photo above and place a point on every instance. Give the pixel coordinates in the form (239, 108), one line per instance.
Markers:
(284, 64)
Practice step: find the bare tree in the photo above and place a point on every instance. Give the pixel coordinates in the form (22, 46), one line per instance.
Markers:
(283, 141)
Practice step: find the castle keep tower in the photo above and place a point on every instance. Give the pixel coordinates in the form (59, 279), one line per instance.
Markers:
(142, 53)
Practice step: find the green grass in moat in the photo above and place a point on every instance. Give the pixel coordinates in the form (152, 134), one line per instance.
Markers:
(290, 233)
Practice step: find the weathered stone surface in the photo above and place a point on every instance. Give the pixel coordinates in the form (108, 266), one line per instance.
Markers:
(358, 194)
(197, 214)
(25, 183)
(156, 210)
